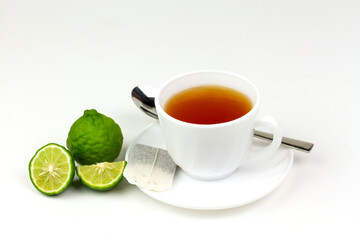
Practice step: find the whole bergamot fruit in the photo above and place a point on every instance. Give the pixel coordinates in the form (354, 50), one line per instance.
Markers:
(94, 138)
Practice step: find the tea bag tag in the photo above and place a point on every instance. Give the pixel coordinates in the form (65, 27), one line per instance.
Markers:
(150, 168)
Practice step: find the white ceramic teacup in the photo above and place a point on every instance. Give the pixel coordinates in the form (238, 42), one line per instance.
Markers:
(214, 151)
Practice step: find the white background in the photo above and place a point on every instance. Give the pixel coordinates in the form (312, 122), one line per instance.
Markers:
(58, 58)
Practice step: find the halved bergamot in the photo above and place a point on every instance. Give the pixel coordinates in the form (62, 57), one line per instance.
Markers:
(101, 176)
(52, 169)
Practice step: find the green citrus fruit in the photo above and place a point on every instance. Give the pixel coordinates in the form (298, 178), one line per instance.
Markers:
(52, 169)
(101, 176)
(94, 138)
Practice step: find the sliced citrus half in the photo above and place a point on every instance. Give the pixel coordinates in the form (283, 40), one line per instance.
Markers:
(52, 169)
(101, 176)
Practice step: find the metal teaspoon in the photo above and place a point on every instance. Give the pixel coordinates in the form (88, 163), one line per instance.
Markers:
(147, 104)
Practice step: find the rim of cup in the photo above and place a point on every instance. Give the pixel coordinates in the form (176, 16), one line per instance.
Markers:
(253, 110)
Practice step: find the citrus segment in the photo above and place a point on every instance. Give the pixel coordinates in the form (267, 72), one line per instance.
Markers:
(51, 169)
(101, 176)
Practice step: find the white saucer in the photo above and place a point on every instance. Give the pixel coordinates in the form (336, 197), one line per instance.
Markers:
(248, 184)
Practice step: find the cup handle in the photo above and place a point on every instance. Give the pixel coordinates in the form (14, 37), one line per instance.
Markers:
(269, 150)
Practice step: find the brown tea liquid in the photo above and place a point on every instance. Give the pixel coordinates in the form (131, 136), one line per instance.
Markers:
(208, 104)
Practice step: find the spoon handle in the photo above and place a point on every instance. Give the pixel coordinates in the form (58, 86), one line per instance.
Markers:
(289, 142)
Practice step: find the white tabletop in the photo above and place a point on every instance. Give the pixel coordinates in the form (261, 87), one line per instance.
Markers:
(58, 58)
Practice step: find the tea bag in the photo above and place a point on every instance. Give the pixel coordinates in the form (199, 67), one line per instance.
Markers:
(149, 167)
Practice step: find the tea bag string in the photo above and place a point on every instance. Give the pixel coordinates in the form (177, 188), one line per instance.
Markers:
(153, 164)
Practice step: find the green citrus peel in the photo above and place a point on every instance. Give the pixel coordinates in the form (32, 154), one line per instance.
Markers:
(94, 138)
